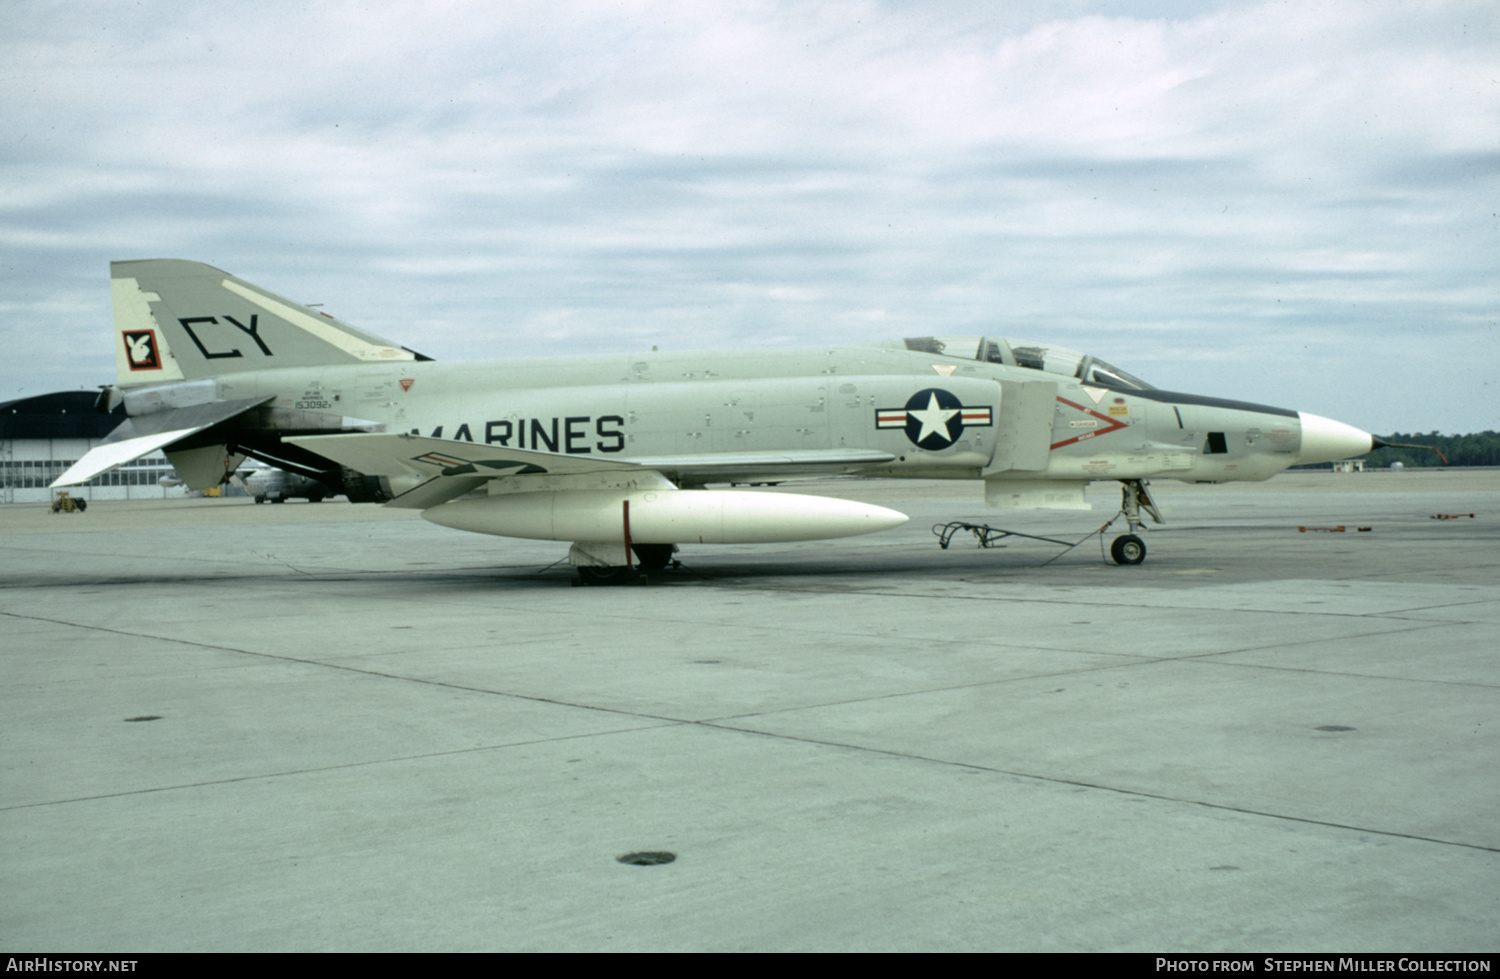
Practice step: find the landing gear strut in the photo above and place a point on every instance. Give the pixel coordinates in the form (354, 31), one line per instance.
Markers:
(1128, 548)
(647, 557)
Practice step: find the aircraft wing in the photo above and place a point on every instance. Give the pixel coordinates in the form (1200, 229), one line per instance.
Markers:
(450, 469)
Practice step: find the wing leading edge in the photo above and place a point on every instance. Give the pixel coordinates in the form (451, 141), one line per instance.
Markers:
(443, 469)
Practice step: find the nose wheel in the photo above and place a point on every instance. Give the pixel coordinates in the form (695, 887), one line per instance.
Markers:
(1128, 548)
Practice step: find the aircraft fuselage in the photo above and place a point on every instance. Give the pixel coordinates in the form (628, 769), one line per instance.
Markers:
(936, 417)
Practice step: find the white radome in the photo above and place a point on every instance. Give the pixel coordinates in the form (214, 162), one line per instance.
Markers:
(1325, 440)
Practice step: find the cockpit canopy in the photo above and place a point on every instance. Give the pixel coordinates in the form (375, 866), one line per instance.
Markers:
(1036, 356)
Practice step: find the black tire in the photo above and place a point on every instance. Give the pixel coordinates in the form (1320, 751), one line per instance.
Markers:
(83, 505)
(1128, 549)
(594, 575)
(652, 557)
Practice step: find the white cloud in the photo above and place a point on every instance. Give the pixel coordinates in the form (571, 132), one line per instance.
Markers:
(1241, 198)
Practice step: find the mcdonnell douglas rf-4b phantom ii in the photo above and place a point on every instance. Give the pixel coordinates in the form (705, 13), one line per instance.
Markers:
(615, 452)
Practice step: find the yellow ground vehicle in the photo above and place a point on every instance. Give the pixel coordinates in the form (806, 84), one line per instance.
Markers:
(64, 503)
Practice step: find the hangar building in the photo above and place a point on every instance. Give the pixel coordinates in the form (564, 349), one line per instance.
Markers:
(40, 437)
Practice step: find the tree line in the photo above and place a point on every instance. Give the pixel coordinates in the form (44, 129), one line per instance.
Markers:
(1474, 449)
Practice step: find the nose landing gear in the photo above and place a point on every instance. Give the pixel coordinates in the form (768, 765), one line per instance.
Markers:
(1128, 548)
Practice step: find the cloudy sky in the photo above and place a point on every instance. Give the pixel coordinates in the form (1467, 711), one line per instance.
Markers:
(1290, 203)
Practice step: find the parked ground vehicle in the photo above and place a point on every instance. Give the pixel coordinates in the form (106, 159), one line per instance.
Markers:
(64, 503)
(279, 486)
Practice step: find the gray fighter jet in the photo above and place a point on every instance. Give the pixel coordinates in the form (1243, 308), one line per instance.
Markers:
(615, 452)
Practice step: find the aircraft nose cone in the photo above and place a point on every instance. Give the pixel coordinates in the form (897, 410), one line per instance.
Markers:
(1325, 440)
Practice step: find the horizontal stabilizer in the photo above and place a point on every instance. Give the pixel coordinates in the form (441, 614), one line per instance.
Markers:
(194, 418)
(145, 434)
(106, 457)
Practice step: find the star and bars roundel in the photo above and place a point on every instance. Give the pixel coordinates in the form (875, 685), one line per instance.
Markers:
(934, 419)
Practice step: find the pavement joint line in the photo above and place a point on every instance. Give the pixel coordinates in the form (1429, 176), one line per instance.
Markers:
(897, 694)
(1203, 658)
(349, 574)
(355, 670)
(1200, 659)
(1137, 793)
(563, 703)
(1399, 615)
(394, 759)
(1095, 604)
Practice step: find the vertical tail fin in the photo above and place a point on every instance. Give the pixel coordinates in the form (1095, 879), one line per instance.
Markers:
(177, 320)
